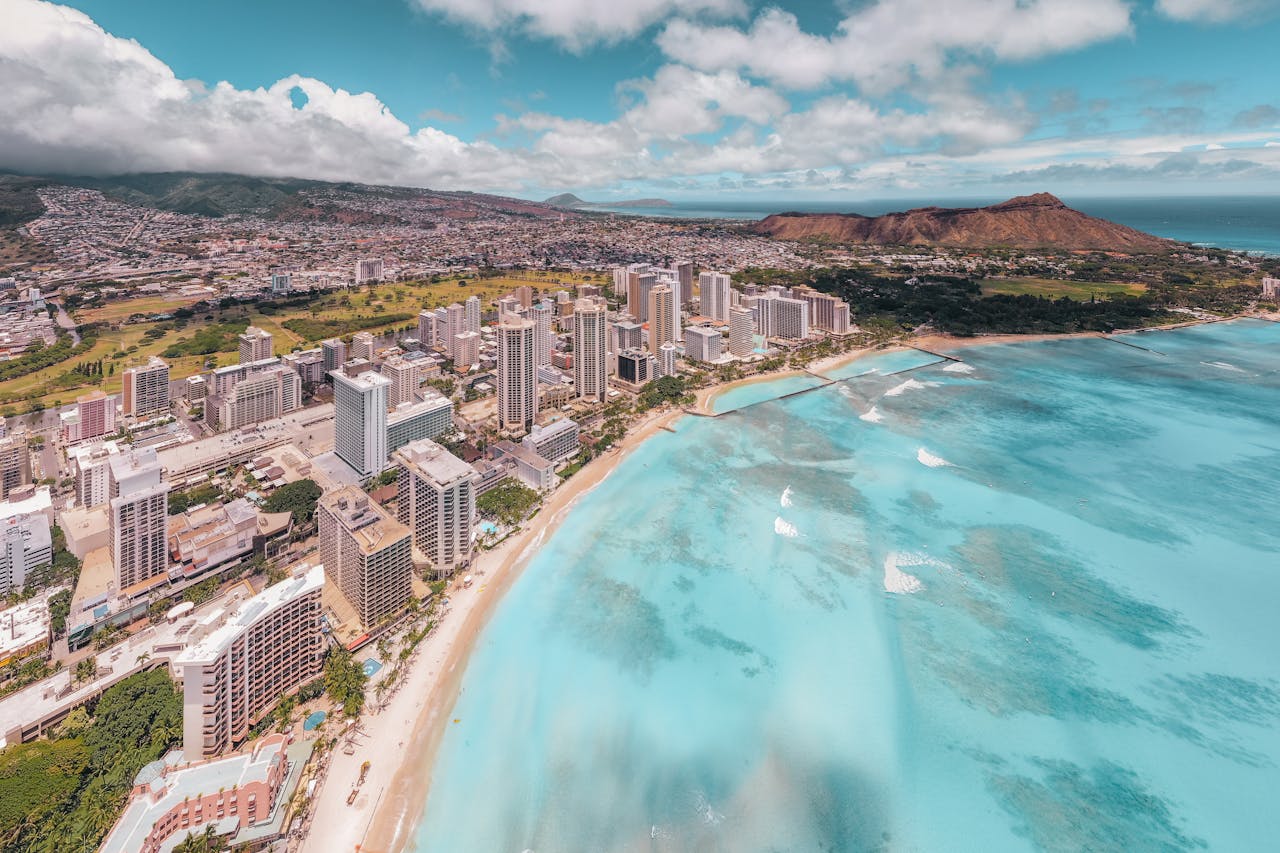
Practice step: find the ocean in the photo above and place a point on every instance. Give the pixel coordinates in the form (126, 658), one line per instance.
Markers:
(1243, 223)
(1021, 601)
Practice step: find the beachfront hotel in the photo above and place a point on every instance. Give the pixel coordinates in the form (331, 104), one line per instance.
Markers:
(146, 389)
(268, 648)
(517, 374)
(591, 349)
(366, 554)
(360, 420)
(702, 344)
(437, 501)
(713, 288)
(663, 320)
(137, 517)
(742, 330)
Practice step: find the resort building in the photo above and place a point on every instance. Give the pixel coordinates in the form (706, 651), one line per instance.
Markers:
(703, 344)
(666, 361)
(714, 288)
(146, 390)
(360, 421)
(427, 327)
(268, 648)
(366, 554)
(308, 364)
(473, 314)
(260, 396)
(742, 330)
(543, 315)
(782, 317)
(627, 335)
(216, 535)
(517, 375)
(636, 368)
(430, 418)
(255, 345)
(137, 518)
(591, 350)
(531, 469)
(466, 350)
(558, 442)
(826, 312)
(437, 501)
(664, 318)
(242, 796)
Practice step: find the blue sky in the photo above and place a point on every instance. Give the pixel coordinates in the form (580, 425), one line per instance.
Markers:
(681, 98)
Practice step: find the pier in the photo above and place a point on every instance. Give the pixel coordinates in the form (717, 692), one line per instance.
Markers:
(1135, 346)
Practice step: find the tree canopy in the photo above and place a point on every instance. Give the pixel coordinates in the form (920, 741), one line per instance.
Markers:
(298, 498)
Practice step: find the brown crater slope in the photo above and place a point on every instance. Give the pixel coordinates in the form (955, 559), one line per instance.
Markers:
(1039, 221)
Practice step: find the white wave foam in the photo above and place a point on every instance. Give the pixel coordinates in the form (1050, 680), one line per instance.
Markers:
(1222, 365)
(909, 385)
(785, 500)
(924, 457)
(782, 527)
(872, 416)
(958, 367)
(844, 389)
(898, 581)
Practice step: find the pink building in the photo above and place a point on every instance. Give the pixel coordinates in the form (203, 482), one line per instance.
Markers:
(94, 417)
(236, 794)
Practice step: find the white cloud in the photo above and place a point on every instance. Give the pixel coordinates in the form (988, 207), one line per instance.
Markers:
(576, 24)
(886, 44)
(1213, 11)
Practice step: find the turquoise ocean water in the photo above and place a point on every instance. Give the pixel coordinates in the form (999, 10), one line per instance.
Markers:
(1023, 602)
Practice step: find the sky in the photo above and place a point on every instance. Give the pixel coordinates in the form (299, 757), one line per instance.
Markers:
(681, 99)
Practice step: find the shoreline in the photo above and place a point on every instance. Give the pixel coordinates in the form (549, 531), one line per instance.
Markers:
(411, 723)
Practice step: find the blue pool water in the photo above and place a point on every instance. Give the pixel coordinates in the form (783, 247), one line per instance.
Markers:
(1023, 602)
(314, 720)
(371, 667)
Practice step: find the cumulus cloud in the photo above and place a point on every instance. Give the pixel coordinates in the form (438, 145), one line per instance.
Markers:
(886, 44)
(577, 24)
(1214, 11)
(1263, 115)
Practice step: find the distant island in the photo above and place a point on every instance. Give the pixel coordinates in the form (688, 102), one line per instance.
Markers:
(1037, 221)
(571, 201)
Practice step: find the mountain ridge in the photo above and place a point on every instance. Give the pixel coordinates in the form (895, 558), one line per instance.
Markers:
(1038, 221)
(571, 201)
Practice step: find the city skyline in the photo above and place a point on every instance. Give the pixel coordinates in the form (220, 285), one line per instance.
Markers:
(679, 98)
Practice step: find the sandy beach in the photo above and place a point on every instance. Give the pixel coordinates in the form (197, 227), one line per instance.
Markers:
(383, 814)
(411, 724)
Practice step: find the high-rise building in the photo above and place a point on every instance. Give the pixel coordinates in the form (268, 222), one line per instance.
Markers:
(368, 269)
(714, 288)
(334, 351)
(137, 517)
(782, 317)
(266, 649)
(437, 501)
(308, 364)
(591, 350)
(90, 464)
(360, 421)
(146, 390)
(431, 418)
(473, 314)
(466, 350)
(455, 323)
(636, 367)
(662, 317)
(280, 283)
(684, 273)
(742, 329)
(367, 554)
(15, 464)
(93, 417)
(255, 345)
(362, 345)
(702, 344)
(524, 293)
(542, 315)
(826, 312)
(517, 374)
(403, 376)
(261, 396)
(26, 544)
(627, 335)
(427, 327)
(666, 358)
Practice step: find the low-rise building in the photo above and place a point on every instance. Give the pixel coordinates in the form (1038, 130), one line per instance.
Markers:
(531, 469)
(25, 631)
(243, 797)
(210, 536)
(408, 422)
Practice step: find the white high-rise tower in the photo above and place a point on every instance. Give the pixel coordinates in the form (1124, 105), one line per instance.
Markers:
(590, 349)
(360, 420)
(517, 374)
